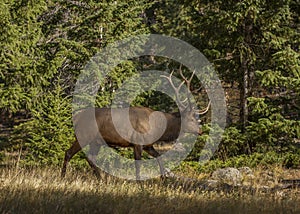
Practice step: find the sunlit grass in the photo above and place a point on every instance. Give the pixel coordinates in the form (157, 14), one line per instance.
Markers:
(43, 191)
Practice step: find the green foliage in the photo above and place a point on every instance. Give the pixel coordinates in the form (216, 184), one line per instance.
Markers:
(20, 55)
(206, 144)
(44, 45)
(233, 144)
(47, 135)
(256, 159)
(256, 45)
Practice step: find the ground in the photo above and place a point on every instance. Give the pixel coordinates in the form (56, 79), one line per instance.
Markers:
(41, 190)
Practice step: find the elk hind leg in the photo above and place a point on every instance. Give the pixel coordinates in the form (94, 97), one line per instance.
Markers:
(68, 156)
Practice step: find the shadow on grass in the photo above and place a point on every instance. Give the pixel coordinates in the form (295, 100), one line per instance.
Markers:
(43, 200)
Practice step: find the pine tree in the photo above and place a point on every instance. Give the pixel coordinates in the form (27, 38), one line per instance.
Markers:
(254, 44)
(50, 45)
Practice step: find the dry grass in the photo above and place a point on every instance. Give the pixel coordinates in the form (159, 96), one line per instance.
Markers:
(42, 191)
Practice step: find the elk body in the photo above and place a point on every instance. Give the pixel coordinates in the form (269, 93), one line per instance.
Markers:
(88, 128)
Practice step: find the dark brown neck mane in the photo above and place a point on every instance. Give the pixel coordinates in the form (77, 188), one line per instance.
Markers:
(173, 127)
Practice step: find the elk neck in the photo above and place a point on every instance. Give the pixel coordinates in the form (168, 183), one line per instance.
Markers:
(173, 127)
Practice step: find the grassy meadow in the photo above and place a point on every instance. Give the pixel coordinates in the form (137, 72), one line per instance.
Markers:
(38, 190)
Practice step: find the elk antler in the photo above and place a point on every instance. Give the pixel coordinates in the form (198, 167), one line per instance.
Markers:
(188, 84)
(204, 111)
(176, 89)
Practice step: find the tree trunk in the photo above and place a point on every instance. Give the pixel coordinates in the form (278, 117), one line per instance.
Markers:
(244, 95)
(247, 71)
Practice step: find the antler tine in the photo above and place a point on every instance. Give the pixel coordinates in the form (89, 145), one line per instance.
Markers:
(188, 83)
(176, 89)
(169, 78)
(205, 110)
(186, 99)
(197, 90)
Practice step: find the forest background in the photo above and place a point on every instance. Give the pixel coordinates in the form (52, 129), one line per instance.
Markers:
(254, 46)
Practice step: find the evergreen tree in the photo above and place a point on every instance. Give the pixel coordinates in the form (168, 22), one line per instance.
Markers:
(50, 44)
(254, 44)
(20, 54)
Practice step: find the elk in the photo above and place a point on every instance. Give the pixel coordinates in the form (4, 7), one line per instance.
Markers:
(139, 118)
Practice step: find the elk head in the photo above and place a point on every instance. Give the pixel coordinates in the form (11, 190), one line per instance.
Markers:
(189, 115)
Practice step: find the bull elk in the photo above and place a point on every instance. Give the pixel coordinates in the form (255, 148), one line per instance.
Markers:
(185, 122)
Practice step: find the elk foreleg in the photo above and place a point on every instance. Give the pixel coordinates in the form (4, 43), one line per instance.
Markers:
(92, 156)
(138, 156)
(151, 151)
(68, 155)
